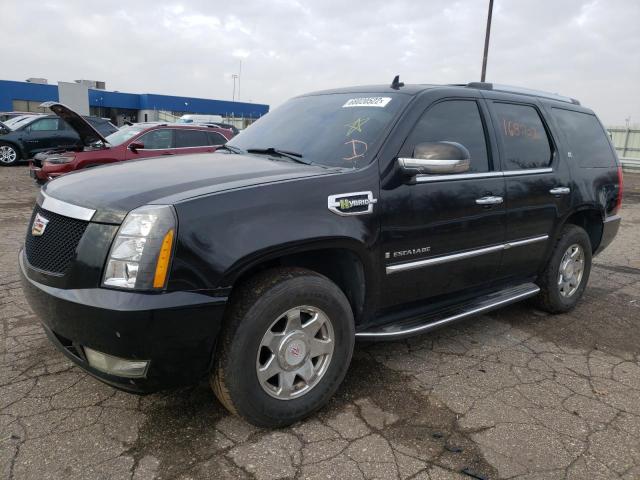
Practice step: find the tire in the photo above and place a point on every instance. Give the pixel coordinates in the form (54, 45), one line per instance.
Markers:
(9, 154)
(258, 310)
(557, 294)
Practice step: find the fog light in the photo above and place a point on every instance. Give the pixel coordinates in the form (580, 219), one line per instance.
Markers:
(115, 365)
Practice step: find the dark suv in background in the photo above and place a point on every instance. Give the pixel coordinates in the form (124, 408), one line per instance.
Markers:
(370, 213)
(42, 133)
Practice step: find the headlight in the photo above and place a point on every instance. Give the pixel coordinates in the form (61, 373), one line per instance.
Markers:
(141, 252)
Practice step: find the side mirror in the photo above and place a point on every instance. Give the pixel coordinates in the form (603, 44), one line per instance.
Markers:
(135, 146)
(436, 158)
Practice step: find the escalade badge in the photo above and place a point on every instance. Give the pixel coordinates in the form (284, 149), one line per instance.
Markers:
(38, 226)
(354, 203)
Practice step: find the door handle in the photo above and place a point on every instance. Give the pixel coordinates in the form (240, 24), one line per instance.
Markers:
(168, 153)
(560, 191)
(489, 200)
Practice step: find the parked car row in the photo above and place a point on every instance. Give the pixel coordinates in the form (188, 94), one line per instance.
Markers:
(66, 141)
(28, 135)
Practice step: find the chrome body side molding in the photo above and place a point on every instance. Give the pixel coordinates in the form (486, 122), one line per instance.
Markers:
(471, 176)
(401, 267)
(64, 208)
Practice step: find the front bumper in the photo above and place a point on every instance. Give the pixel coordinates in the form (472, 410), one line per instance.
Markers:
(610, 228)
(175, 331)
(47, 172)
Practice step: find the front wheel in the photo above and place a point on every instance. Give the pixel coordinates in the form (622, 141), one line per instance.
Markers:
(9, 154)
(566, 275)
(285, 347)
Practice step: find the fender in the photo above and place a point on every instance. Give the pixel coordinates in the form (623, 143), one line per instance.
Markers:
(252, 261)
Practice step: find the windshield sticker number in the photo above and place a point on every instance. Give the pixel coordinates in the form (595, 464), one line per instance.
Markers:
(367, 102)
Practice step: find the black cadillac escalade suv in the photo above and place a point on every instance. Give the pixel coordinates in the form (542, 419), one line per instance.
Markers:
(368, 213)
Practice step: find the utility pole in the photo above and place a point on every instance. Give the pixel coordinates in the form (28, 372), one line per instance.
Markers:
(239, 78)
(234, 76)
(486, 43)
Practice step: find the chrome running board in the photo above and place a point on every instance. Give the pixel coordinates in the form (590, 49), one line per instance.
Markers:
(425, 323)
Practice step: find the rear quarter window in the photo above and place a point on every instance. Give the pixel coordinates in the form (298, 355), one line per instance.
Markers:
(586, 139)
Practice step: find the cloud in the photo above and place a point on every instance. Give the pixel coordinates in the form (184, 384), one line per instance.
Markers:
(586, 49)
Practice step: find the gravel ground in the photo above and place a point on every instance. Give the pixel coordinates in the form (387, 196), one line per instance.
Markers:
(512, 394)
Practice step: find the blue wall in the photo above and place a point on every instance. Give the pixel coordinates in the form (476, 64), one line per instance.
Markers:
(10, 91)
(150, 101)
(103, 98)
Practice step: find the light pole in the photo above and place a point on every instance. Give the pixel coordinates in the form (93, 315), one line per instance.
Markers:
(239, 78)
(486, 43)
(234, 76)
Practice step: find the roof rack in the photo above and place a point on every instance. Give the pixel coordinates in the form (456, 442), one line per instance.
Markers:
(523, 91)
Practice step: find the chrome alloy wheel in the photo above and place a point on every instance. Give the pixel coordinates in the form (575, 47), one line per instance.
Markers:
(8, 154)
(295, 352)
(571, 270)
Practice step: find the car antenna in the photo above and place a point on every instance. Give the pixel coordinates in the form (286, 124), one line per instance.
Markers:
(396, 84)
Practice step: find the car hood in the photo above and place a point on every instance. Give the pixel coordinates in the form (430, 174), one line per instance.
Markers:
(114, 190)
(84, 129)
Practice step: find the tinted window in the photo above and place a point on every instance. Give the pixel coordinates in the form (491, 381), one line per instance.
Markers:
(216, 139)
(45, 125)
(587, 140)
(190, 138)
(453, 121)
(157, 139)
(524, 138)
(337, 129)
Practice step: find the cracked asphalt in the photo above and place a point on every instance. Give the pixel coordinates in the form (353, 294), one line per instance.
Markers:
(516, 393)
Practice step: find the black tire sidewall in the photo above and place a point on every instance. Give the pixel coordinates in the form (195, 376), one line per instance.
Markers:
(573, 235)
(239, 363)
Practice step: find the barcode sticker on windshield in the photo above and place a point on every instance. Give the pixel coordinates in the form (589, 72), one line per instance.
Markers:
(367, 102)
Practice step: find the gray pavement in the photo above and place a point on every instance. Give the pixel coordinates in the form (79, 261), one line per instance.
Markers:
(516, 393)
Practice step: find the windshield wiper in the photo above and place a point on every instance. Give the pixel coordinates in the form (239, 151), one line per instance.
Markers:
(295, 156)
(231, 148)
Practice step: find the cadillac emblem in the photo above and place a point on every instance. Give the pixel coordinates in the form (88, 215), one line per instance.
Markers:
(38, 226)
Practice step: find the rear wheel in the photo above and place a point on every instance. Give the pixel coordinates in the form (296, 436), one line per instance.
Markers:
(285, 348)
(566, 275)
(9, 154)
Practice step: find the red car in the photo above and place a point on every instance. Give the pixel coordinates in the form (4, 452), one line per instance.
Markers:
(140, 140)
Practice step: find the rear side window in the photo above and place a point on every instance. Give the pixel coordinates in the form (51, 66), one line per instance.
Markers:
(190, 138)
(587, 141)
(525, 143)
(453, 121)
(45, 125)
(216, 139)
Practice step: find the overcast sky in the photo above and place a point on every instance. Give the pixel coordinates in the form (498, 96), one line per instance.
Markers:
(586, 49)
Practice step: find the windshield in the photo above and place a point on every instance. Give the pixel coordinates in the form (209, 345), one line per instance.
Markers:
(337, 130)
(125, 133)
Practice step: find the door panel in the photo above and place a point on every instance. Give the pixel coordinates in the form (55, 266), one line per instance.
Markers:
(443, 218)
(41, 135)
(530, 162)
(436, 238)
(67, 137)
